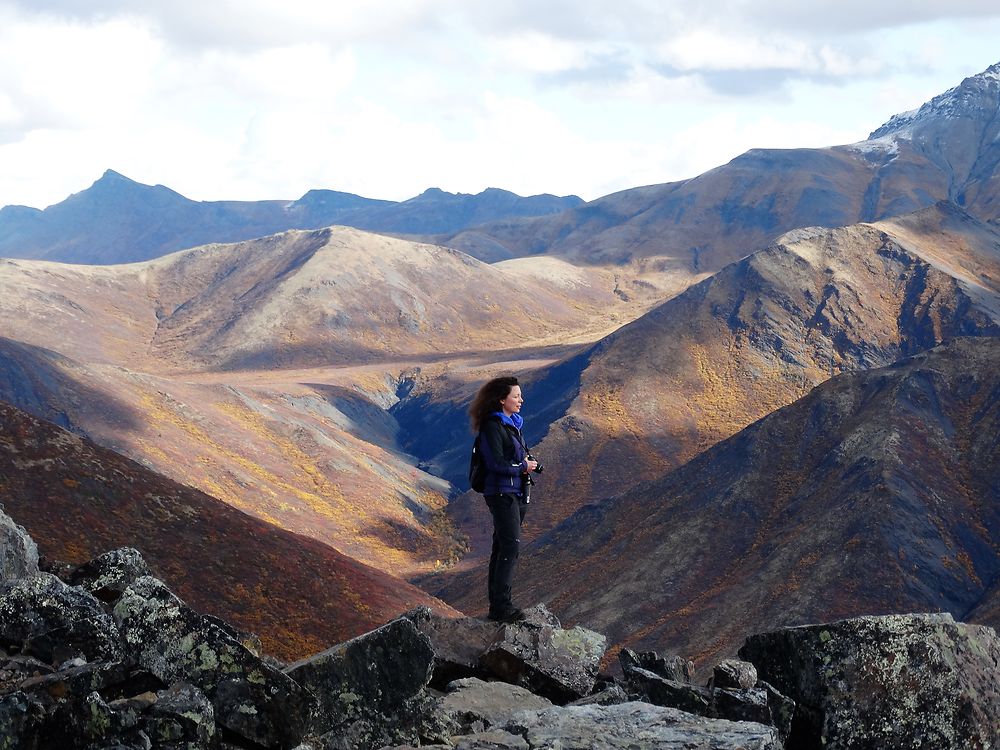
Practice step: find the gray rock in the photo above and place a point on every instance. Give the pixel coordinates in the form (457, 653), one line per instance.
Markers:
(661, 691)
(473, 705)
(90, 722)
(458, 642)
(739, 704)
(537, 653)
(15, 669)
(75, 683)
(671, 667)
(370, 690)
(898, 681)
(107, 576)
(610, 696)
(733, 673)
(21, 720)
(181, 716)
(18, 552)
(782, 708)
(176, 644)
(493, 740)
(637, 726)
(43, 617)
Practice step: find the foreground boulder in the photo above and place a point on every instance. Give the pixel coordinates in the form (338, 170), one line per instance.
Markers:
(369, 690)
(18, 551)
(458, 644)
(626, 726)
(43, 617)
(537, 653)
(733, 693)
(107, 576)
(249, 697)
(473, 705)
(886, 682)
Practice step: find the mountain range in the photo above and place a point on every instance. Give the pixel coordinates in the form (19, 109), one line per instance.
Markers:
(692, 355)
(118, 220)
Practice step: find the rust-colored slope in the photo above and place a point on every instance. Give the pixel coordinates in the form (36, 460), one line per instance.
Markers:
(78, 500)
(300, 450)
(878, 492)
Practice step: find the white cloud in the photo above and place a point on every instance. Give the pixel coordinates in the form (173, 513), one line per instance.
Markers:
(259, 99)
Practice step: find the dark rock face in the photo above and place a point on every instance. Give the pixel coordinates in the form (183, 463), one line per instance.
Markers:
(661, 691)
(369, 690)
(43, 617)
(20, 721)
(538, 654)
(250, 697)
(18, 552)
(107, 576)
(733, 693)
(184, 715)
(458, 643)
(897, 681)
(671, 667)
(733, 673)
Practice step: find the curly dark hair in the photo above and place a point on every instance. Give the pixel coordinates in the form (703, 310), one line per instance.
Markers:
(487, 400)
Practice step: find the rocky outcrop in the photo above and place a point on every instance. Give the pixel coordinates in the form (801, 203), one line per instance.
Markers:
(125, 664)
(18, 552)
(536, 652)
(633, 726)
(472, 705)
(540, 655)
(458, 644)
(889, 682)
(370, 690)
(108, 575)
(250, 697)
(42, 617)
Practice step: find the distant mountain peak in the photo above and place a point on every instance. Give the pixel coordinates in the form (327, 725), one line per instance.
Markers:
(976, 97)
(110, 174)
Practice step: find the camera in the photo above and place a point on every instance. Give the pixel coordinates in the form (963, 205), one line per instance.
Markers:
(539, 468)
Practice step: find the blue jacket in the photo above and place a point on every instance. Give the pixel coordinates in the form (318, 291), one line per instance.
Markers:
(504, 455)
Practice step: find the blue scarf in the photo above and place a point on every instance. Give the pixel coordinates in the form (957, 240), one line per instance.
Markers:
(515, 420)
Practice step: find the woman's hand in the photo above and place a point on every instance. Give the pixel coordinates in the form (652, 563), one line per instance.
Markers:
(532, 465)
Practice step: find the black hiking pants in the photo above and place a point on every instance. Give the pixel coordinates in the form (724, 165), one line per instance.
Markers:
(508, 515)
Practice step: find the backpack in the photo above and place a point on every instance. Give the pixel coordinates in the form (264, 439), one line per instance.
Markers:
(477, 468)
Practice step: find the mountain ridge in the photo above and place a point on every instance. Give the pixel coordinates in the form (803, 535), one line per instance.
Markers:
(119, 220)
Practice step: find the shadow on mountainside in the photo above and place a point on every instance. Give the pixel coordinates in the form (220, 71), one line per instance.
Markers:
(41, 382)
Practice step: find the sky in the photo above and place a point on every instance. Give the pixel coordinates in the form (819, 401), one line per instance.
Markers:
(261, 99)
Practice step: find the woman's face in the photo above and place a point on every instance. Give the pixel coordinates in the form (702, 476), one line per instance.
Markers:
(512, 404)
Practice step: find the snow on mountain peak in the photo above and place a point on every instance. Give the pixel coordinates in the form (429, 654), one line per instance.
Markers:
(960, 101)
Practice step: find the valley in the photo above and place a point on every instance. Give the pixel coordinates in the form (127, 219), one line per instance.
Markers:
(762, 395)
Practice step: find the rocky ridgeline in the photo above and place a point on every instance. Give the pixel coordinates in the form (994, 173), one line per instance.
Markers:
(105, 656)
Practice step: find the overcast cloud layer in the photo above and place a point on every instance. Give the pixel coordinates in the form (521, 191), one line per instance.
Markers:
(255, 99)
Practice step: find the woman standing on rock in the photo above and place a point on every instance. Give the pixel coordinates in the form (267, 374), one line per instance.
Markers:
(495, 414)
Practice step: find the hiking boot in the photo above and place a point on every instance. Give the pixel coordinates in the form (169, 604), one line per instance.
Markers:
(507, 614)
